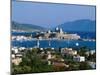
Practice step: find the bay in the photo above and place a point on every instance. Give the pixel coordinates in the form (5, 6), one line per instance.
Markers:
(55, 44)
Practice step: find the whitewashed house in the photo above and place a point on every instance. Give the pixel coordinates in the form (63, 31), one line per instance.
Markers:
(68, 51)
(79, 58)
(15, 49)
(92, 64)
(13, 56)
(49, 57)
(16, 61)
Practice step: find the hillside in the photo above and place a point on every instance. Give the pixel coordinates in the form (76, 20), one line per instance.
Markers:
(26, 27)
(79, 25)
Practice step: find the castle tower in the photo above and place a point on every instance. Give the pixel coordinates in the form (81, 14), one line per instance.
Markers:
(61, 31)
(49, 31)
(57, 29)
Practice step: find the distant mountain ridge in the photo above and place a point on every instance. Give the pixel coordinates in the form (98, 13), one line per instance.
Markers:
(79, 25)
(26, 27)
(83, 25)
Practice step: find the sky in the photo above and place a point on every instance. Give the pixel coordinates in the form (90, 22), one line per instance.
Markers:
(50, 14)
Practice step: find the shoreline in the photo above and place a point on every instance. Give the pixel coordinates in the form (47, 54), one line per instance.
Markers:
(33, 39)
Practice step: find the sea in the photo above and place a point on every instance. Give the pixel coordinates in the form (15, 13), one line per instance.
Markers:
(56, 43)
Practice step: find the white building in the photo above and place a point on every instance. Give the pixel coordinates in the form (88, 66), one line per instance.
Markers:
(13, 56)
(92, 64)
(79, 58)
(16, 61)
(15, 49)
(13, 38)
(19, 55)
(92, 52)
(22, 48)
(68, 51)
(49, 57)
(61, 35)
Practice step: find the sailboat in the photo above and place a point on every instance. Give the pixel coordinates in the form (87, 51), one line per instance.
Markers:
(49, 42)
(38, 43)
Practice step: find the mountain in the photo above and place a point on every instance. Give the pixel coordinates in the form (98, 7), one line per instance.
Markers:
(26, 27)
(79, 25)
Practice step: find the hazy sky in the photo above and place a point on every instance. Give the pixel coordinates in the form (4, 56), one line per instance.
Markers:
(50, 15)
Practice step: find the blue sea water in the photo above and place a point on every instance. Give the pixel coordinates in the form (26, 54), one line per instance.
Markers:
(56, 43)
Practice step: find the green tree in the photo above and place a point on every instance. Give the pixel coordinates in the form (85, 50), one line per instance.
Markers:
(84, 66)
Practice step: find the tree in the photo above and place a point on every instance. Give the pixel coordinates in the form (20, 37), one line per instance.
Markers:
(82, 51)
(84, 66)
(32, 63)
